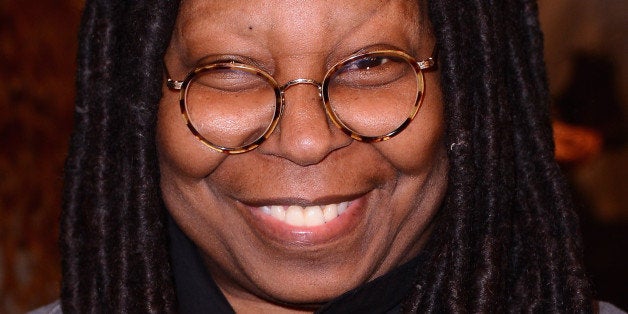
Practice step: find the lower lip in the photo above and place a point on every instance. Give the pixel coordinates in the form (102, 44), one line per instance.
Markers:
(285, 234)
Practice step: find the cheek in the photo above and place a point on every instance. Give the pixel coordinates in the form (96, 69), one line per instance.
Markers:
(178, 149)
(421, 144)
(184, 163)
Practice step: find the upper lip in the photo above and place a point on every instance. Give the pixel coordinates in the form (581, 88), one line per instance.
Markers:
(300, 201)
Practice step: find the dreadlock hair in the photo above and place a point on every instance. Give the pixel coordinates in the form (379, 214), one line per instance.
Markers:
(113, 239)
(505, 240)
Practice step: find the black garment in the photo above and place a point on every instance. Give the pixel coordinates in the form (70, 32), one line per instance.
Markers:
(198, 293)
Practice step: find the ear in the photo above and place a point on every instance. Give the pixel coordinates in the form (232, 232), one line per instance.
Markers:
(575, 144)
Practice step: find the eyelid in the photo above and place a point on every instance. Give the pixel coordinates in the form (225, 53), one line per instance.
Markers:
(376, 47)
(367, 49)
(233, 59)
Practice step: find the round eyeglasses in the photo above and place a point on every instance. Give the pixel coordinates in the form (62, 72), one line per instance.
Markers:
(233, 107)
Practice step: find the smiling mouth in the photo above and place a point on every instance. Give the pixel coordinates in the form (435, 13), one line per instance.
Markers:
(310, 216)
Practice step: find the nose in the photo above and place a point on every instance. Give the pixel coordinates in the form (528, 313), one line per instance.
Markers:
(304, 135)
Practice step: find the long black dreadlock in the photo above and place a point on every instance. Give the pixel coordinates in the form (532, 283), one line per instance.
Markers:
(506, 239)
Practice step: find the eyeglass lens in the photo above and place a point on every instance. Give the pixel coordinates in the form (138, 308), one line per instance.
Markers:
(230, 107)
(374, 95)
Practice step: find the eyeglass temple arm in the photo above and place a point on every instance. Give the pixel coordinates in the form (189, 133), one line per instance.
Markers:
(429, 62)
(172, 84)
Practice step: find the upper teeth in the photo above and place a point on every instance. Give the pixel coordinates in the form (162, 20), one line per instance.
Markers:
(309, 216)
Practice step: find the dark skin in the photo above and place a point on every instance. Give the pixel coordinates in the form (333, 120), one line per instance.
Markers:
(394, 187)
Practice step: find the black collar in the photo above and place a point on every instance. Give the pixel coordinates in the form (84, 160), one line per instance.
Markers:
(198, 293)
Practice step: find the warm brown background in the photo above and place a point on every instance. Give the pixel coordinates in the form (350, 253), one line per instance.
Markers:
(37, 52)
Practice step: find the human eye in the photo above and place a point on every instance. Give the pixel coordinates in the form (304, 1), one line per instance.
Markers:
(372, 71)
(366, 63)
(229, 77)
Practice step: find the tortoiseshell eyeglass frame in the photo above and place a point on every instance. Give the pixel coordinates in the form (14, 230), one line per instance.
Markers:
(182, 87)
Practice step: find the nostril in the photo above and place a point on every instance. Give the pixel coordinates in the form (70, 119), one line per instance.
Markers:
(307, 146)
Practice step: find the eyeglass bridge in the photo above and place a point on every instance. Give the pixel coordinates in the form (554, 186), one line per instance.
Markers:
(299, 81)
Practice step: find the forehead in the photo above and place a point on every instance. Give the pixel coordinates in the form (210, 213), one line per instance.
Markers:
(296, 25)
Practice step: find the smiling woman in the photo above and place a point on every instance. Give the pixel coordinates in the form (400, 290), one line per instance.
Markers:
(346, 156)
(258, 217)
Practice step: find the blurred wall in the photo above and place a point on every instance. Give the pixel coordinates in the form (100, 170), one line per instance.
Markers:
(598, 28)
(595, 91)
(37, 52)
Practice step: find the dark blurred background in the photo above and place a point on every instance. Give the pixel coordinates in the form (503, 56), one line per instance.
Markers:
(587, 65)
(37, 52)
(586, 51)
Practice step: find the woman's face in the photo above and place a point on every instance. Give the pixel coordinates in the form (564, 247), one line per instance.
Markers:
(391, 189)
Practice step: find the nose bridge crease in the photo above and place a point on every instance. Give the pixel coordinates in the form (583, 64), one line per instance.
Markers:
(301, 139)
(300, 81)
